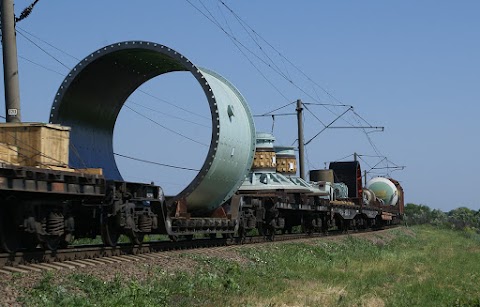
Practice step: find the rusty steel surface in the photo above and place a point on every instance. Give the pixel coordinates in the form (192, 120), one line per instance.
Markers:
(92, 95)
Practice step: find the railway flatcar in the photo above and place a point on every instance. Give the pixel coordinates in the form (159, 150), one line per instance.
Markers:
(59, 180)
(275, 200)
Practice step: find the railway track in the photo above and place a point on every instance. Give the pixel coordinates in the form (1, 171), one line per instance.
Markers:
(93, 255)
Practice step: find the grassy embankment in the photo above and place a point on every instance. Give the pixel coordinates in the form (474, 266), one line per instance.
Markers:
(422, 266)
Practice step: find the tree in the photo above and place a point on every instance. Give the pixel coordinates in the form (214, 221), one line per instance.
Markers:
(463, 217)
(417, 214)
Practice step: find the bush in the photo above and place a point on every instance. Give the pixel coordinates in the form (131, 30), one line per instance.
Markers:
(461, 218)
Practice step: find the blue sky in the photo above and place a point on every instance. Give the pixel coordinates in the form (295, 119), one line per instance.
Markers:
(411, 66)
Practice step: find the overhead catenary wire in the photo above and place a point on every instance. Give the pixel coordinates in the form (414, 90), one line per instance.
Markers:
(274, 114)
(276, 69)
(169, 115)
(237, 43)
(41, 66)
(38, 64)
(256, 38)
(171, 104)
(315, 116)
(25, 33)
(337, 160)
(142, 91)
(156, 163)
(45, 51)
(277, 109)
(244, 24)
(278, 52)
(327, 126)
(47, 43)
(165, 127)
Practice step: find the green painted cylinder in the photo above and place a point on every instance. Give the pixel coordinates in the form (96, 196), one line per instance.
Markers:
(384, 189)
(94, 92)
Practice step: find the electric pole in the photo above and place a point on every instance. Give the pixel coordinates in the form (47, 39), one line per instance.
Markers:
(10, 62)
(301, 144)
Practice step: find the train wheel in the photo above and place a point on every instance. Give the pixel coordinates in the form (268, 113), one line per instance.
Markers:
(30, 241)
(270, 234)
(51, 242)
(287, 229)
(136, 237)
(66, 240)
(110, 232)
(9, 232)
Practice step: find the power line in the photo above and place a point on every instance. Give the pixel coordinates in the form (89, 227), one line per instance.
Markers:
(171, 104)
(45, 51)
(276, 69)
(316, 117)
(274, 110)
(236, 42)
(47, 43)
(76, 58)
(165, 127)
(243, 24)
(326, 104)
(279, 53)
(274, 114)
(41, 66)
(327, 126)
(172, 116)
(156, 163)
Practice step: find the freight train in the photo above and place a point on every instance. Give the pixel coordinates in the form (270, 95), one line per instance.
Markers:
(59, 180)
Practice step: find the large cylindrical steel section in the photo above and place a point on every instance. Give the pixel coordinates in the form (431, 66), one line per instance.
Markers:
(234, 143)
(384, 189)
(94, 92)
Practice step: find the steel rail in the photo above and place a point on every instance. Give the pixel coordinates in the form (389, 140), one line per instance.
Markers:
(10, 262)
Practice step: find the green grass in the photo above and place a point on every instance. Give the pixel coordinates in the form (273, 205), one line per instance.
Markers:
(433, 267)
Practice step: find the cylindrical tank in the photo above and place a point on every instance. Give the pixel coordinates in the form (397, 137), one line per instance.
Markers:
(286, 160)
(322, 175)
(384, 189)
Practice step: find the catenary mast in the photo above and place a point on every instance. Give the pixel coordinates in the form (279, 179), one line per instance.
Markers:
(10, 62)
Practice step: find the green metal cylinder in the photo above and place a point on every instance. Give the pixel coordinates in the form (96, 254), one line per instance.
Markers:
(93, 93)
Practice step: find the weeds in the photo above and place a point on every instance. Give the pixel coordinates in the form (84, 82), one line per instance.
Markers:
(430, 267)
